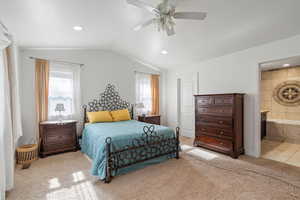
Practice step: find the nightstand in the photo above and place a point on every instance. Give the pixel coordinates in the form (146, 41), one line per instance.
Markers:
(57, 137)
(151, 119)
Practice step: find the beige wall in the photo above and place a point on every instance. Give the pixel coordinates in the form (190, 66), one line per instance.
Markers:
(269, 81)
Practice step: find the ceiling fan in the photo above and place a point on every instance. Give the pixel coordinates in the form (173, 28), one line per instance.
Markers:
(164, 15)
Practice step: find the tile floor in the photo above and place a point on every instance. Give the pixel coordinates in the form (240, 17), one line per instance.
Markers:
(281, 151)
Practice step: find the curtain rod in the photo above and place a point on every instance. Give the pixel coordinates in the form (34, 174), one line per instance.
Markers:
(158, 73)
(58, 61)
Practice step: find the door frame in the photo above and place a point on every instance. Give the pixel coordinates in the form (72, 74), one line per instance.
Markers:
(257, 137)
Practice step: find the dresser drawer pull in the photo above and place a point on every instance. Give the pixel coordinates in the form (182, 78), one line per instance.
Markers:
(221, 143)
(203, 129)
(221, 132)
(221, 122)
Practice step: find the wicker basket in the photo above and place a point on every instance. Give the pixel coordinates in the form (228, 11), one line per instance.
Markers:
(26, 154)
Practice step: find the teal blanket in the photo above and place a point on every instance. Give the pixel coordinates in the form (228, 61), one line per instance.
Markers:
(122, 133)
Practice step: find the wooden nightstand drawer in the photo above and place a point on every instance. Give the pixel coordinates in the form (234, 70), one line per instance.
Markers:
(68, 138)
(58, 137)
(151, 119)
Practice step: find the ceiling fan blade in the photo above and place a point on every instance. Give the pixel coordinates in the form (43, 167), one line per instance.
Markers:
(141, 4)
(170, 31)
(190, 15)
(144, 24)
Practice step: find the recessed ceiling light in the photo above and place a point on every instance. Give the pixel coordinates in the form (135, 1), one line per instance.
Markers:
(77, 28)
(164, 52)
(286, 65)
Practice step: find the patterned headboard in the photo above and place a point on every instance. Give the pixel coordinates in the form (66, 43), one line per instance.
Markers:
(108, 100)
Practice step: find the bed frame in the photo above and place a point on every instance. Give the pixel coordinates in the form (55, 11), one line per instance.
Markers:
(149, 146)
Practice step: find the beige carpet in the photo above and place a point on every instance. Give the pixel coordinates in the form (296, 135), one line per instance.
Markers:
(198, 174)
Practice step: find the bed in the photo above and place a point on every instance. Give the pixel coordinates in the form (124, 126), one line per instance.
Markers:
(119, 147)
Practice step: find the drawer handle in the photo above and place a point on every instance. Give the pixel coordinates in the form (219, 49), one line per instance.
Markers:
(221, 132)
(203, 129)
(221, 143)
(221, 122)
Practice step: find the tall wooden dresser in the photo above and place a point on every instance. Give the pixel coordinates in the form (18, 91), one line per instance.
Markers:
(219, 123)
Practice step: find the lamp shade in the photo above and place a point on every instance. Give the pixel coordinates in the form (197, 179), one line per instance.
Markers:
(139, 105)
(59, 107)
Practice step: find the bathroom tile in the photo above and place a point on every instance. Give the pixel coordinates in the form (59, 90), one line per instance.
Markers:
(269, 115)
(292, 141)
(298, 70)
(276, 107)
(279, 74)
(287, 147)
(276, 82)
(293, 109)
(266, 85)
(278, 151)
(292, 132)
(293, 116)
(266, 96)
(279, 115)
(266, 75)
(294, 159)
(294, 72)
(266, 105)
(277, 155)
(268, 145)
(275, 131)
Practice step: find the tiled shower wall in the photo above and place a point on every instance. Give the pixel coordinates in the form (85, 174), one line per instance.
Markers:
(270, 79)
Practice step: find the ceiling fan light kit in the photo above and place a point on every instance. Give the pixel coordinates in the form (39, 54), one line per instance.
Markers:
(164, 15)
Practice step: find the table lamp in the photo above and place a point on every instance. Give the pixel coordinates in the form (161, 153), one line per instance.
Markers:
(60, 108)
(140, 106)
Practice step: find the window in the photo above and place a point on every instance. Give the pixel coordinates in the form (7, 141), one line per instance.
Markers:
(147, 93)
(64, 89)
(143, 92)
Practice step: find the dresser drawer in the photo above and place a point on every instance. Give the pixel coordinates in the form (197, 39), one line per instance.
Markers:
(222, 122)
(223, 100)
(51, 148)
(224, 145)
(59, 130)
(204, 101)
(155, 119)
(66, 138)
(217, 132)
(216, 110)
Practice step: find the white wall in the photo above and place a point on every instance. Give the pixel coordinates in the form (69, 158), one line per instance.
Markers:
(237, 72)
(101, 67)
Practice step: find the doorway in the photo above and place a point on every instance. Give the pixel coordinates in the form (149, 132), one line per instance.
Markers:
(187, 87)
(280, 110)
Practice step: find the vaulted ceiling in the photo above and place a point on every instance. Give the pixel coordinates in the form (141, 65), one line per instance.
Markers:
(231, 25)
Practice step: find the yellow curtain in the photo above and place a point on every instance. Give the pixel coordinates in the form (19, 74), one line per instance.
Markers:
(41, 91)
(155, 94)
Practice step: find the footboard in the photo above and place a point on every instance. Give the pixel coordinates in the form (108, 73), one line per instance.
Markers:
(149, 146)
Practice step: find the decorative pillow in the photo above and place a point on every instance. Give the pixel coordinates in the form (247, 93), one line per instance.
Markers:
(100, 116)
(120, 115)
